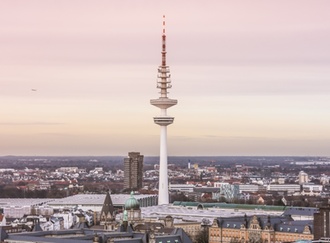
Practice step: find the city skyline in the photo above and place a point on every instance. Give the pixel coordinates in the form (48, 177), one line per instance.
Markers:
(252, 77)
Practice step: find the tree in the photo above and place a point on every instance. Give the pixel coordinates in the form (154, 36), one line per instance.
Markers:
(179, 197)
(202, 236)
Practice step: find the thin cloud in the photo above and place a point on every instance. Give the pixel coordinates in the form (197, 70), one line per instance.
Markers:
(31, 124)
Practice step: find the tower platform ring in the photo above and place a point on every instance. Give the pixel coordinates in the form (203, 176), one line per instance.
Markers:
(163, 121)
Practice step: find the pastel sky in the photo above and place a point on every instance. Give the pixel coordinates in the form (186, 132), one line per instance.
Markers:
(251, 77)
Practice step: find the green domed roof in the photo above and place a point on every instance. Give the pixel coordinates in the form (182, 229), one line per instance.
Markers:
(132, 203)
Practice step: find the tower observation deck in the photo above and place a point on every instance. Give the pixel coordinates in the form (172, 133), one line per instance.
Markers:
(163, 102)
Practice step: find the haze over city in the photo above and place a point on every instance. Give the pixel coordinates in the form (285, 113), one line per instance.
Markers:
(251, 78)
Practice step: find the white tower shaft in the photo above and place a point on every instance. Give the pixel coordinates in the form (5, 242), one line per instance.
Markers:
(163, 197)
(163, 102)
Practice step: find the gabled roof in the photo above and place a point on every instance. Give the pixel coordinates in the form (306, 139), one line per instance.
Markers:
(273, 220)
(133, 240)
(170, 238)
(263, 221)
(301, 211)
(294, 227)
(129, 240)
(3, 234)
(183, 237)
(87, 235)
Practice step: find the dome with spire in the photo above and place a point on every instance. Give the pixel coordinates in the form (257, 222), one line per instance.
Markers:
(132, 203)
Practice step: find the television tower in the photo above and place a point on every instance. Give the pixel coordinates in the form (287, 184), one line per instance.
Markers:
(163, 120)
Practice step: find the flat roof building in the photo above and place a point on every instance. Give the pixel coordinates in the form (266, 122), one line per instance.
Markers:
(95, 201)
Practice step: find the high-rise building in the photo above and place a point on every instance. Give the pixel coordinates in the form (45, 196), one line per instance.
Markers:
(303, 178)
(133, 171)
(322, 223)
(163, 120)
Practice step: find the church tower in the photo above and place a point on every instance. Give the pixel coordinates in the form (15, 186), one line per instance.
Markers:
(107, 217)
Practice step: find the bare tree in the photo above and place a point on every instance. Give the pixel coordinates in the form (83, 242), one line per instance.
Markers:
(202, 236)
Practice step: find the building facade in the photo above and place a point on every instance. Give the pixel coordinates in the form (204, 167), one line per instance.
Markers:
(182, 187)
(302, 178)
(284, 187)
(322, 223)
(133, 171)
(262, 228)
(227, 191)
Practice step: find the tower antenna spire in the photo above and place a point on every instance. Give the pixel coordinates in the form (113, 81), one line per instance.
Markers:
(164, 24)
(163, 120)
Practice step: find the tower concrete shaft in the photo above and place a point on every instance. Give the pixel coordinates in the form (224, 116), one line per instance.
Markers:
(163, 120)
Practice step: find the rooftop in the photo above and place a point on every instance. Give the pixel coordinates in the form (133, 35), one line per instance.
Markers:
(96, 199)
